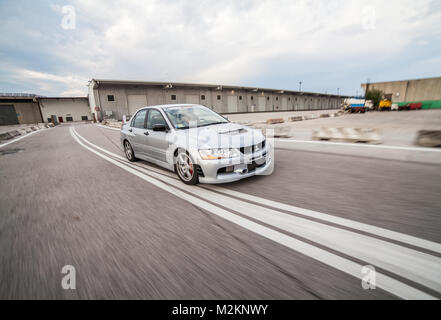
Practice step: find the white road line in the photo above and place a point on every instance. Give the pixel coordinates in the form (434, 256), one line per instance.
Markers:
(387, 283)
(381, 232)
(106, 127)
(161, 171)
(421, 149)
(18, 139)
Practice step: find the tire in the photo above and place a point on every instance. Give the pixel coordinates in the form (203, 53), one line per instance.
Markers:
(128, 151)
(185, 168)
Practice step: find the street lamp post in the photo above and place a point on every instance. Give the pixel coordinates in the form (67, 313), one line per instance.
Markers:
(338, 93)
(300, 86)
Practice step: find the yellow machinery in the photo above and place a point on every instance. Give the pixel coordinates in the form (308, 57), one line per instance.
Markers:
(385, 105)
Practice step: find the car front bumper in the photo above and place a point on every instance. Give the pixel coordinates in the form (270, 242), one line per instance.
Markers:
(248, 166)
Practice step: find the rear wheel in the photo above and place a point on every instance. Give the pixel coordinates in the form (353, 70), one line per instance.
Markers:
(128, 150)
(186, 169)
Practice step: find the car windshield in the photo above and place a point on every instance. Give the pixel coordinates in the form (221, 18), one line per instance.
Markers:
(184, 117)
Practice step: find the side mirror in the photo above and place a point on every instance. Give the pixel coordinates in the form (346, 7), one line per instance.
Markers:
(159, 127)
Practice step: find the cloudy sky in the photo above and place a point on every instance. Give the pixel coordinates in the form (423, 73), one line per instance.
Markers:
(52, 47)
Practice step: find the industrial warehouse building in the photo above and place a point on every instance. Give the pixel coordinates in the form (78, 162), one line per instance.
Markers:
(19, 109)
(114, 98)
(427, 91)
(30, 109)
(111, 99)
(64, 109)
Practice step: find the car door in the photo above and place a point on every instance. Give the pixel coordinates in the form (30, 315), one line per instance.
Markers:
(158, 144)
(138, 133)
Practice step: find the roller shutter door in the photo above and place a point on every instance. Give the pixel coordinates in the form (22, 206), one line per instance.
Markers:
(191, 99)
(135, 102)
(284, 103)
(261, 104)
(8, 115)
(232, 104)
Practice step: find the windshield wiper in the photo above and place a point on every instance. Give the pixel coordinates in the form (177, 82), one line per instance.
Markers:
(202, 125)
(211, 124)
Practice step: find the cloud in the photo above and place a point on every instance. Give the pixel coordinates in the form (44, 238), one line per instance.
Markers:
(229, 41)
(47, 82)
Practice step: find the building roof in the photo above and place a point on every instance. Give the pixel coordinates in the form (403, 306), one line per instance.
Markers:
(169, 85)
(3, 97)
(418, 79)
(13, 94)
(57, 98)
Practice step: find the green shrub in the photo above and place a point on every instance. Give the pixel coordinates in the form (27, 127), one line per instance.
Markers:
(375, 95)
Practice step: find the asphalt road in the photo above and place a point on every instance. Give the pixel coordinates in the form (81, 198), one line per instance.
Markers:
(67, 197)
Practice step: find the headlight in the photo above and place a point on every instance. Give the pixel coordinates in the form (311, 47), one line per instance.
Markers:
(216, 154)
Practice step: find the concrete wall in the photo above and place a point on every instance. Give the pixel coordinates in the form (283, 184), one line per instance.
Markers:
(92, 96)
(125, 96)
(410, 90)
(65, 107)
(27, 112)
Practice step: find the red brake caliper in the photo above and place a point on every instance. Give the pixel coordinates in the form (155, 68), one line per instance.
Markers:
(191, 167)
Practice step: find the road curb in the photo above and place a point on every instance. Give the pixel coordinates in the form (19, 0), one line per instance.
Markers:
(428, 138)
(275, 121)
(312, 117)
(112, 123)
(354, 135)
(24, 131)
(296, 118)
(274, 131)
(9, 135)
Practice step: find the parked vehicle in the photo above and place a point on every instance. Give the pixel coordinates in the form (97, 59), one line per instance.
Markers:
(197, 143)
(354, 105)
(415, 106)
(385, 105)
(394, 107)
(369, 105)
(411, 106)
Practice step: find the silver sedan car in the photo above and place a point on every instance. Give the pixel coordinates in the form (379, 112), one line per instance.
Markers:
(196, 143)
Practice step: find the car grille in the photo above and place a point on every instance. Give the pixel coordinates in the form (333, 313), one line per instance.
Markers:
(254, 148)
(253, 166)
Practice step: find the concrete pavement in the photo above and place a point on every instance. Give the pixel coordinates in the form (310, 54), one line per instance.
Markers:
(63, 203)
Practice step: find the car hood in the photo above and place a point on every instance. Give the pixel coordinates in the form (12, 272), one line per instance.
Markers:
(227, 135)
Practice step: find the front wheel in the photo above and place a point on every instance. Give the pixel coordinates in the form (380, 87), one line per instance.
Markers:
(186, 169)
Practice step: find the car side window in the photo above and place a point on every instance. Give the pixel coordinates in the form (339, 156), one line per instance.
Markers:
(139, 120)
(155, 117)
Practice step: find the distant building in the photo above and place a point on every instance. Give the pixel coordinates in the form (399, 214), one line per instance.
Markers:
(19, 109)
(115, 98)
(29, 109)
(427, 91)
(65, 109)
